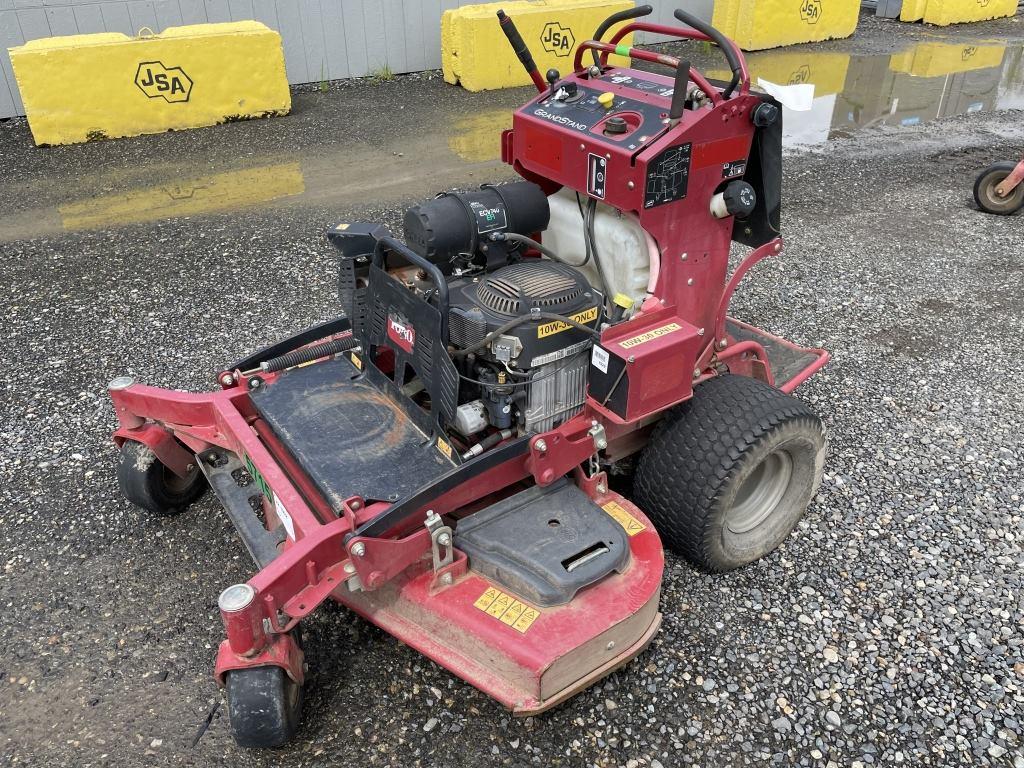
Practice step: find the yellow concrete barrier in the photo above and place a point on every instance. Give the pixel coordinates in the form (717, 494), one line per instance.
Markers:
(946, 12)
(85, 87)
(938, 59)
(476, 55)
(758, 24)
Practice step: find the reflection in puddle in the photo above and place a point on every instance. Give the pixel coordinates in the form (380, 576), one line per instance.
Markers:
(207, 194)
(922, 83)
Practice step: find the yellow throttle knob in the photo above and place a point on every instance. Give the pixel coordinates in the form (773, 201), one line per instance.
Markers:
(606, 100)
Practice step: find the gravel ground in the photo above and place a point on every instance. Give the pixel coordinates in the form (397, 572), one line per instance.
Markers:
(886, 631)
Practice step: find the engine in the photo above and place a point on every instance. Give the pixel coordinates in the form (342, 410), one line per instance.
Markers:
(520, 317)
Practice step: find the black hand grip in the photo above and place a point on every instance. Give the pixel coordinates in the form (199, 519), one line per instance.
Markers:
(721, 41)
(679, 91)
(520, 48)
(615, 18)
(436, 277)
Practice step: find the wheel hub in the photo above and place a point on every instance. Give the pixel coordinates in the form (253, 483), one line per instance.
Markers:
(761, 492)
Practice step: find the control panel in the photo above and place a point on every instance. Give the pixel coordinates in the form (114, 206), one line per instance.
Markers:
(602, 115)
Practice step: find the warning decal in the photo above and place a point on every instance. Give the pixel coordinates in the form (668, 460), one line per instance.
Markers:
(651, 335)
(557, 326)
(507, 609)
(630, 524)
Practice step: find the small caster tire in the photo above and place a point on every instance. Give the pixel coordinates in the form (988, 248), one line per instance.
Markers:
(264, 706)
(729, 473)
(146, 482)
(988, 199)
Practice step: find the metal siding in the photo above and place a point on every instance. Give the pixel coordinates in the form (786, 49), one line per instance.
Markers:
(313, 36)
(116, 19)
(432, 32)
(142, 14)
(168, 14)
(33, 23)
(394, 35)
(89, 19)
(241, 10)
(193, 11)
(378, 54)
(290, 27)
(334, 39)
(416, 59)
(62, 20)
(10, 36)
(355, 37)
(218, 11)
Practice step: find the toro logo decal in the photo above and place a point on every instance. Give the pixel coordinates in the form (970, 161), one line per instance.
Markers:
(159, 81)
(400, 332)
(557, 39)
(810, 11)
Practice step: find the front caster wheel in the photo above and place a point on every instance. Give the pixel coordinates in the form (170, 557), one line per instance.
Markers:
(988, 199)
(727, 474)
(148, 483)
(264, 706)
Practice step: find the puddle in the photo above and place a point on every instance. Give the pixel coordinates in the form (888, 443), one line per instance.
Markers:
(458, 145)
(924, 82)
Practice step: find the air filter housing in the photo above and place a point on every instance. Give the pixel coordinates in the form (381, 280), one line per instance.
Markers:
(479, 306)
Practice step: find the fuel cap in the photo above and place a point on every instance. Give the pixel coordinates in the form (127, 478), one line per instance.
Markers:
(615, 125)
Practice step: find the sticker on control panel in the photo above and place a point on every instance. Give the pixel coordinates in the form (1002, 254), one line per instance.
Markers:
(600, 358)
(651, 335)
(667, 176)
(507, 609)
(597, 175)
(629, 524)
(735, 168)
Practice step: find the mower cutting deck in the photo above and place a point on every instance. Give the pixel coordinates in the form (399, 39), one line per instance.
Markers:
(439, 458)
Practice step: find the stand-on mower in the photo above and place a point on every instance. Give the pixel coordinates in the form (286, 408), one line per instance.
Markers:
(999, 188)
(440, 459)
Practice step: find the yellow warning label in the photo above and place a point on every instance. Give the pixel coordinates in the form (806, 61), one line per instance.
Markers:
(356, 361)
(444, 448)
(651, 335)
(557, 326)
(631, 525)
(486, 598)
(507, 609)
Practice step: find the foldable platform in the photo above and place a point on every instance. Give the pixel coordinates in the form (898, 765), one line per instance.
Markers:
(348, 433)
(788, 361)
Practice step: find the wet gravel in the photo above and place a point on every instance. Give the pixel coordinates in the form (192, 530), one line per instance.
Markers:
(886, 631)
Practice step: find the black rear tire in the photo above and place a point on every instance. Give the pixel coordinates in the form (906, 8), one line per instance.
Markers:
(988, 199)
(146, 482)
(727, 474)
(264, 706)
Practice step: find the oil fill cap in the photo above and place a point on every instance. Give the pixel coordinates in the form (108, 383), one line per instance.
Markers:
(606, 99)
(616, 124)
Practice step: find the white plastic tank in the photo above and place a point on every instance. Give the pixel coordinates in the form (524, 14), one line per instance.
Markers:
(622, 245)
